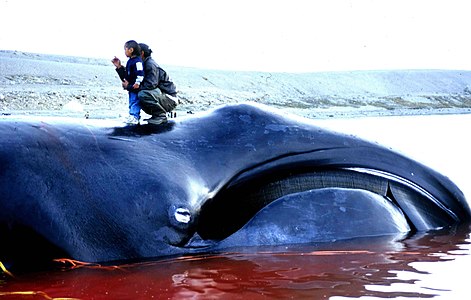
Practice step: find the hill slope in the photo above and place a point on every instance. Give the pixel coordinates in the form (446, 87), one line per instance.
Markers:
(32, 82)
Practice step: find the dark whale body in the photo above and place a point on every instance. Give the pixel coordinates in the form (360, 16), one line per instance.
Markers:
(240, 175)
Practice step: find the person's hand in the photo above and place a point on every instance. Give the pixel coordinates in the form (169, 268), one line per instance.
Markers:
(135, 86)
(116, 62)
(125, 84)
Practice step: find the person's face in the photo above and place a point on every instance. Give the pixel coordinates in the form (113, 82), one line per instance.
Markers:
(128, 51)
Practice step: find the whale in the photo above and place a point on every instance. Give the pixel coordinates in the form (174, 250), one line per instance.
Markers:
(237, 176)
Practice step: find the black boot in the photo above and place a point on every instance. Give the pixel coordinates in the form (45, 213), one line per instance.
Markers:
(157, 119)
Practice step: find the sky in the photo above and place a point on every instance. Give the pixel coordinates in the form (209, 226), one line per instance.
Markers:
(250, 35)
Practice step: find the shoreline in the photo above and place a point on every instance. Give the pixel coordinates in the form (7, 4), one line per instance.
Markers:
(51, 84)
(310, 114)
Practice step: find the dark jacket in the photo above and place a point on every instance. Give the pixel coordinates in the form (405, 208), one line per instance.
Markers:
(133, 73)
(154, 77)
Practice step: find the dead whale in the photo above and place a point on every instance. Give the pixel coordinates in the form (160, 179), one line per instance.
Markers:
(240, 175)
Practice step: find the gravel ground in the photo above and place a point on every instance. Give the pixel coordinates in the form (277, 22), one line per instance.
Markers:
(37, 83)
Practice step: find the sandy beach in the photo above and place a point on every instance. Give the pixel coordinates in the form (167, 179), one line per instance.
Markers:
(39, 84)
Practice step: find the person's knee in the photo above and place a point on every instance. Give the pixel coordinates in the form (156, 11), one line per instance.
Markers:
(144, 96)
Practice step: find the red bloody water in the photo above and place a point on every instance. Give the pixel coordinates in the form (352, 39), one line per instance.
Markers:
(365, 267)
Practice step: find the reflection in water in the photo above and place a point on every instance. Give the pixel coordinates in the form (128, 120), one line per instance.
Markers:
(419, 266)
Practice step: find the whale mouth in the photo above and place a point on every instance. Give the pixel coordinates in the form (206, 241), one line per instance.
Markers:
(239, 202)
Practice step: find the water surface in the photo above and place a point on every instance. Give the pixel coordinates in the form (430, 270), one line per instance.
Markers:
(431, 265)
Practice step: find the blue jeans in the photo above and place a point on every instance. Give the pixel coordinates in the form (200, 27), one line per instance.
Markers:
(134, 105)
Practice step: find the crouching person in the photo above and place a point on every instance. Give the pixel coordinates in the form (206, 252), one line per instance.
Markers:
(158, 94)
